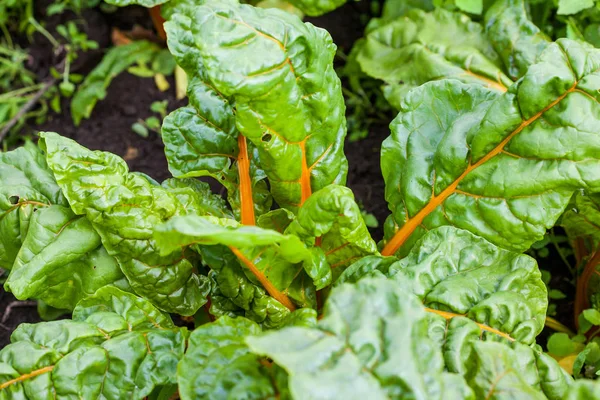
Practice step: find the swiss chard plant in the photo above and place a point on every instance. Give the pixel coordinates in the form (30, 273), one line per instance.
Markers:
(292, 296)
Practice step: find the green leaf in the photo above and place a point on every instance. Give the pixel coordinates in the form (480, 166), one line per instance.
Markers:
(315, 8)
(140, 129)
(288, 103)
(559, 344)
(470, 6)
(422, 47)
(219, 365)
(518, 41)
(269, 258)
(27, 185)
(584, 389)
(582, 218)
(115, 61)
(456, 273)
(61, 260)
(143, 3)
(371, 343)
(109, 353)
(592, 315)
(124, 208)
(503, 167)
(567, 7)
(332, 215)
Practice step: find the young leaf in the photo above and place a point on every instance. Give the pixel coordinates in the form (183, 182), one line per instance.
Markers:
(371, 343)
(315, 8)
(472, 166)
(117, 60)
(288, 102)
(518, 41)
(332, 215)
(219, 365)
(124, 208)
(111, 353)
(422, 47)
(455, 273)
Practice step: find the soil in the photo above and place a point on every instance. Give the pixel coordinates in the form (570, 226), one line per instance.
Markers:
(129, 98)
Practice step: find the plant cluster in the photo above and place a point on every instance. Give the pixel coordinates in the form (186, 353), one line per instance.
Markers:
(496, 141)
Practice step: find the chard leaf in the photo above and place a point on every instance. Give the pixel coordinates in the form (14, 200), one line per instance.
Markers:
(582, 219)
(115, 61)
(503, 167)
(584, 389)
(518, 41)
(219, 365)
(455, 273)
(371, 343)
(421, 47)
(315, 8)
(61, 260)
(108, 354)
(332, 215)
(124, 208)
(269, 258)
(144, 3)
(27, 185)
(287, 101)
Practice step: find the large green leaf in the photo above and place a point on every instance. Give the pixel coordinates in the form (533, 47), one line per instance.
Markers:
(219, 365)
(518, 41)
(112, 353)
(278, 74)
(144, 3)
(61, 260)
(124, 208)
(503, 167)
(116, 60)
(584, 389)
(421, 47)
(456, 273)
(332, 215)
(27, 185)
(271, 259)
(371, 343)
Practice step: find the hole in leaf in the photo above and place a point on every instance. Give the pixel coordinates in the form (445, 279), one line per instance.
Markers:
(267, 137)
(13, 199)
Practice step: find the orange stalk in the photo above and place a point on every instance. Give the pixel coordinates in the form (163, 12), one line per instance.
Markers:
(305, 188)
(246, 201)
(412, 223)
(24, 377)
(158, 22)
(269, 287)
(448, 315)
(581, 292)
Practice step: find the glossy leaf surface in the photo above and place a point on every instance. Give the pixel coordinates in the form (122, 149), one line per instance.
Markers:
(503, 167)
(112, 353)
(124, 208)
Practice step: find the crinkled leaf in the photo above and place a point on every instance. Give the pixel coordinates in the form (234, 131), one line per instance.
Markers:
(124, 208)
(332, 215)
(456, 273)
(518, 41)
(104, 356)
(268, 257)
(421, 47)
(144, 3)
(287, 100)
(584, 389)
(567, 7)
(115, 61)
(371, 343)
(27, 185)
(61, 260)
(582, 218)
(219, 365)
(503, 167)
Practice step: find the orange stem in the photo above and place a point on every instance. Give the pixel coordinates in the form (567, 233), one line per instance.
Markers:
(581, 293)
(269, 287)
(158, 22)
(412, 223)
(24, 377)
(246, 201)
(449, 316)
